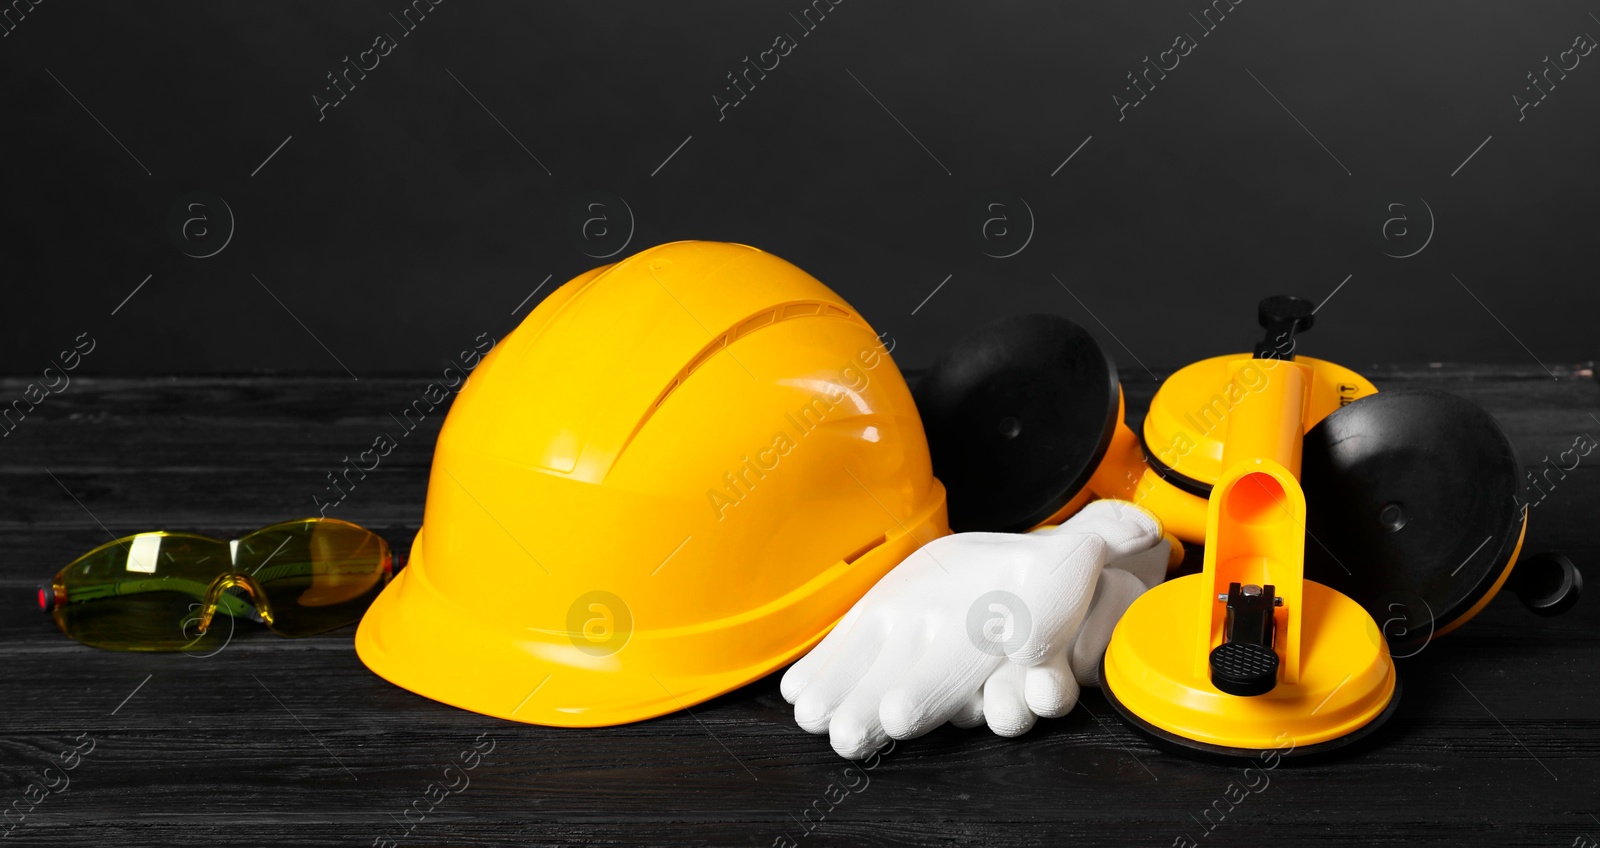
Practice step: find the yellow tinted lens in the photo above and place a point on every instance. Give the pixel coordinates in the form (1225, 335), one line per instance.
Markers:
(143, 593)
(318, 574)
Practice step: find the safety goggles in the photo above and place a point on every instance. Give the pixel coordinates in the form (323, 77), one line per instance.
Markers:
(162, 591)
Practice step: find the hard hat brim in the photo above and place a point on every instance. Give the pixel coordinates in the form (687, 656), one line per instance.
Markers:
(418, 639)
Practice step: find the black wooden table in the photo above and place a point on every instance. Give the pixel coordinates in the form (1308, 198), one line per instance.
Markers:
(293, 742)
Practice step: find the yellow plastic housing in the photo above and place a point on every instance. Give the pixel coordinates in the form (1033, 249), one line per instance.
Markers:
(1186, 427)
(672, 478)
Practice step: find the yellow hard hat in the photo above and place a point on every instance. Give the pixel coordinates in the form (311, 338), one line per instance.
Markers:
(673, 478)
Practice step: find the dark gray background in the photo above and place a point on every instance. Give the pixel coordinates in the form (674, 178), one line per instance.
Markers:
(410, 220)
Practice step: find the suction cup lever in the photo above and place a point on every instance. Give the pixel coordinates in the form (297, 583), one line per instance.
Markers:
(1547, 583)
(1282, 316)
(1245, 664)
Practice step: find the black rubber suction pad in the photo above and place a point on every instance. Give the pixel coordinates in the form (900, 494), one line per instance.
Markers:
(1019, 413)
(1410, 509)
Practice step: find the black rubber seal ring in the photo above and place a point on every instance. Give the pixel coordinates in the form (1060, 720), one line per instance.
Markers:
(1178, 481)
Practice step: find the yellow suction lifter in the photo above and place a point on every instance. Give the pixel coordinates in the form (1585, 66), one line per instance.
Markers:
(1249, 656)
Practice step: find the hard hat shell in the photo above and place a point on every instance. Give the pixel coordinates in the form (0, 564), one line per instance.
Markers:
(674, 477)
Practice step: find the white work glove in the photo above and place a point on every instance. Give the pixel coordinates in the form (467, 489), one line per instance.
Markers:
(975, 627)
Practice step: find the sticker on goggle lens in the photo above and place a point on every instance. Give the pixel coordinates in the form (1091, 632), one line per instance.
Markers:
(142, 553)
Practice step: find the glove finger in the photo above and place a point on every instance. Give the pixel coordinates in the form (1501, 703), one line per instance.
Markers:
(1050, 689)
(800, 674)
(1150, 565)
(849, 661)
(927, 695)
(855, 730)
(1115, 592)
(1005, 705)
(1125, 527)
(969, 714)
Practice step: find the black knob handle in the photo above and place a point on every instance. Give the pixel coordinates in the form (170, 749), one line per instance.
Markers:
(1547, 583)
(1244, 668)
(1282, 316)
(1245, 663)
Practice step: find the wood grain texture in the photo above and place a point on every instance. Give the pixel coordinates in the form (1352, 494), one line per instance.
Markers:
(293, 742)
